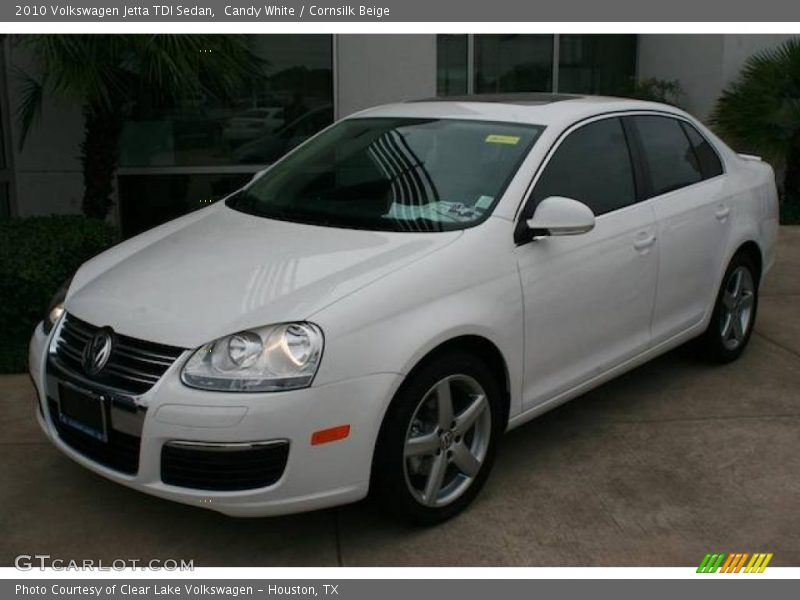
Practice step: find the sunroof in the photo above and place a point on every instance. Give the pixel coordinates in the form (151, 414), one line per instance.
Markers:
(526, 99)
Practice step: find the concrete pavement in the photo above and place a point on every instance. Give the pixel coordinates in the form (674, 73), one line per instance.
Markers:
(673, 460)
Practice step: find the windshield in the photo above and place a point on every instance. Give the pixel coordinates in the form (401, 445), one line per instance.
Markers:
(393, 174)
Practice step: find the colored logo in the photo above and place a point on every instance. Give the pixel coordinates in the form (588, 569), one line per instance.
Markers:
(740, 562)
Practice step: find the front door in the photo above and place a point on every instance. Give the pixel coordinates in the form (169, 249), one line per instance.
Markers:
(588, 298)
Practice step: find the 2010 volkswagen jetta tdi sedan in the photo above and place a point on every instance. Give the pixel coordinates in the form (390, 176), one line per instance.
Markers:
(374, 310)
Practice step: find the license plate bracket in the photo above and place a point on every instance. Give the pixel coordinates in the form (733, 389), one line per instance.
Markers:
(84, 411)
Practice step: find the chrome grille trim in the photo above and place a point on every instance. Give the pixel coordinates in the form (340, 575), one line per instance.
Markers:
(133, 367)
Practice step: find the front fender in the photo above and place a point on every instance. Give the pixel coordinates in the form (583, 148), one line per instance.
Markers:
(389, 326)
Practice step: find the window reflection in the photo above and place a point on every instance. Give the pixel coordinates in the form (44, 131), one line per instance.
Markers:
(150, 200)
(596, 64)
(451, 65)
(513, 63)
(509, 63)
(275, 111)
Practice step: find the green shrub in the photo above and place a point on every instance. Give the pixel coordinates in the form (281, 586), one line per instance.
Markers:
(37, 255)
(759, 113)
(668, 91)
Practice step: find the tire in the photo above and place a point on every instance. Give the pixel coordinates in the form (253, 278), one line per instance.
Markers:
(734, 313)
(415, 425)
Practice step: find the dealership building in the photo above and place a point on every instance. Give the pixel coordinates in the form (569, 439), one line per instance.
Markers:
(175, 159)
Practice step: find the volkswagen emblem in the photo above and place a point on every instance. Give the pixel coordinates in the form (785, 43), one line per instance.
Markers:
(98, 350)
(446, 440)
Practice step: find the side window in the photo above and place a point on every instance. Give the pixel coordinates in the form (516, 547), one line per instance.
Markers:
(670, 159)
(710, 165)
(592, 165)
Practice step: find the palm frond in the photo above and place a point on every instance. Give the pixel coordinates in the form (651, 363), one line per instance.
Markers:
(760, 110)
(106, 72)
(30, 106)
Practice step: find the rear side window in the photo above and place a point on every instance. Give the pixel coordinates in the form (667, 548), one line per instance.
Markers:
(670, 159)
(592, 165)
(710, 165)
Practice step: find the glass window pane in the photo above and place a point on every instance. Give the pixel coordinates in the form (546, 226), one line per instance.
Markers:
(596, 64)
(593, 166)
(513, 63)
(710, 164)
(289, 101)
(451, 65)
(670, 159)
(393, 174)
(149, 200)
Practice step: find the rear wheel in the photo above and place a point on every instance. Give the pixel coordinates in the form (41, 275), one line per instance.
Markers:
(438, 441)
(735, 311)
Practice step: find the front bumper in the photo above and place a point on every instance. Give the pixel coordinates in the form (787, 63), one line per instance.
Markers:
(315, 476)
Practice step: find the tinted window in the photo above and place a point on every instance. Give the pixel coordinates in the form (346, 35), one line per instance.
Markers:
(147, 200)
(593, 166)
(290, 97)
(710, 164)
(669, 157)
(596, 63)
(451, 64)
(513, 63)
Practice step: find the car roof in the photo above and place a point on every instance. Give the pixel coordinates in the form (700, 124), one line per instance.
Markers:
(537, 109)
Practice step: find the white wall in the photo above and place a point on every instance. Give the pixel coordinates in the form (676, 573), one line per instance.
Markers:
(376, 69)
(703, 64)
(694, 60)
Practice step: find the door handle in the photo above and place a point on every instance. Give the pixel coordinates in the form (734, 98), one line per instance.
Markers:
(722, 212)
(644, 242)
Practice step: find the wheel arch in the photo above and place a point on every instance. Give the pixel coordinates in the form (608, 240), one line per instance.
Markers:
(482, 348)
(473, 343)
(751, 249)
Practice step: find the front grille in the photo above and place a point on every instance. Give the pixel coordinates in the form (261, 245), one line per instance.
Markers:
(120, 452)
(133, 367)
(223, 467)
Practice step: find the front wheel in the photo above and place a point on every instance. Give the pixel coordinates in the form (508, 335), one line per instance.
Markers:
(734, 312)
(438, 441)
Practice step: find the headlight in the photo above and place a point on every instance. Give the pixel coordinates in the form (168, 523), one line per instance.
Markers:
(267, 359)
(56, 307)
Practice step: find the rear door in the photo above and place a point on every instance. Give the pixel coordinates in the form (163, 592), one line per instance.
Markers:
(588, 298)
(685, 186)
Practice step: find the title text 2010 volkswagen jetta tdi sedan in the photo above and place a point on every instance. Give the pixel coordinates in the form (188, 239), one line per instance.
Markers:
(374, 310)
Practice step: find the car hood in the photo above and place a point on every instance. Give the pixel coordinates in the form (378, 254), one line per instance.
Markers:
(218, 271)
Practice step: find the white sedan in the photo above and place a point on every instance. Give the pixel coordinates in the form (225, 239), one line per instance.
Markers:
(372, 312)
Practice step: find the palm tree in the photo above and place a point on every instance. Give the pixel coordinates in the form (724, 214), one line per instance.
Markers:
(104, 73)
(760, 111)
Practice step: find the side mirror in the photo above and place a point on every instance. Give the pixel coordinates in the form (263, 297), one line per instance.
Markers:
(557, 215)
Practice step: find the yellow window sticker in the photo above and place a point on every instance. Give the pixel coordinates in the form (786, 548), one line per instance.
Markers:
(502, 139)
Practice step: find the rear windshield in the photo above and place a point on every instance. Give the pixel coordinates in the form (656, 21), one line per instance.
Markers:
(395, 174)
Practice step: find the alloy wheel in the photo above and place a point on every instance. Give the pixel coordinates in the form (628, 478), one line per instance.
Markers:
(738, 299)
(447, 440)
